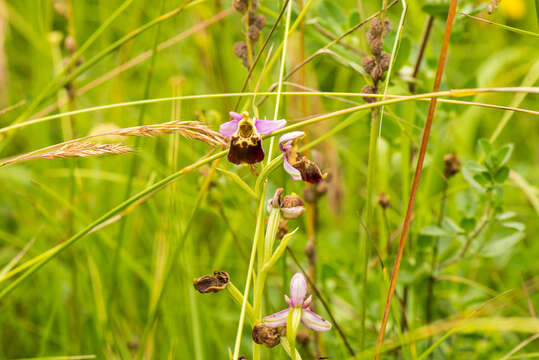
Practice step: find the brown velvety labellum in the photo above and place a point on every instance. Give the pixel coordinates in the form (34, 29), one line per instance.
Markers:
(245, 150)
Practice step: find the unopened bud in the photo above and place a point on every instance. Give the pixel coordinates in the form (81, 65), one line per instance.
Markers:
(265, 335)
(292, 206)
(452, 165)
(212, 284)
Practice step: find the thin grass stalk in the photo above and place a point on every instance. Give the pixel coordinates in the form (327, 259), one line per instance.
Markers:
(417, 175)
(132, 167)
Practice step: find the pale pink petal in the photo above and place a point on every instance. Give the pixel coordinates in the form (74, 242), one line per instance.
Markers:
(298, 289)
(286, 139)
(314, 322)
(294, 173)
(308, 302)
(268, 126)
(278, 319)
(288, 301)
(236, 116)
(229, 128)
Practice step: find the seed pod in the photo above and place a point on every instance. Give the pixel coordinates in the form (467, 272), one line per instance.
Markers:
(375, 27)
(240, 49)
(384, 61)
(452, 165)
(368, 64)
(254, 33)
(369, 89)
(376, 47)
(259, 21)
(211, 284)
(383, 200)
(240, 5)
(376, 73)
(264, 335)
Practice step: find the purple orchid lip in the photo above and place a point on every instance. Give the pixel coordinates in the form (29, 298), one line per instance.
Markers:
(285, 139)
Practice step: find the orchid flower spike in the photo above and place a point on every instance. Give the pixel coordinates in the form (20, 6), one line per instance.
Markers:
(296, 164)
(298, 290)
(245, 133)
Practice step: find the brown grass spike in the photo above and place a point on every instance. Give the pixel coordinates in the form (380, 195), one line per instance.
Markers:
(417, 175)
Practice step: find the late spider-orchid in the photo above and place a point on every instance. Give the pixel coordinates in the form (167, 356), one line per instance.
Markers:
(245, 133)
(298, 290)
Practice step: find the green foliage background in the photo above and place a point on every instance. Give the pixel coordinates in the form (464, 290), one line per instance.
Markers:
(73, 306)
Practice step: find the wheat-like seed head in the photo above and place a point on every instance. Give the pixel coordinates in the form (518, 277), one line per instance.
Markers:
(82, 149)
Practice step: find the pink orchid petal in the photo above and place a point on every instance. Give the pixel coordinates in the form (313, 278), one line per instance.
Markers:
(288, 301)
(298, 289)
(285, 139)
(294, 173)
(278, 319)
(308, 302)
(269, 126)
(236, 115)
(314, 321)
(229, 128)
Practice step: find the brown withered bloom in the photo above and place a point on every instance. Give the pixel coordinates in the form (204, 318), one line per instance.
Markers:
(291, 206)
(211, 284)
(254, 33)
(385, 60)
(452, 165)
(282, 230)
(295, 163)
(240, 50)
(368, 64)
(241, 5)
(383, 200)
(369, 89)
(265, 335)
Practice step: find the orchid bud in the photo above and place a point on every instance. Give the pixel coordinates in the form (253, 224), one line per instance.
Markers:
(292, 206)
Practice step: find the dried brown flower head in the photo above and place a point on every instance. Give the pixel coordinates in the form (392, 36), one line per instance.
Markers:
(265, 335)
(451, 165)
(369, 89)
(254, 33)
(292, 206)
(240, 50)
(258, 20)
(211, 284)
(384, 61)
(240, 5)
(282, 230)
(383, 200)
(376, 47)
(368, 63)
(375, 27)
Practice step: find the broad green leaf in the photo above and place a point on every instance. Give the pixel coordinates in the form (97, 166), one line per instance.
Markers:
(433, 230)
(503, 154)
(502, 174)
(486, 146)
(500, 246)
(468, 223)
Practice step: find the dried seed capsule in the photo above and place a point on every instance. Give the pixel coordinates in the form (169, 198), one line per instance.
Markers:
(369, 89)
(211, 284)
(368, 64)
(376, 73)
(376, 47)
(259, 21)
(384, 61)
(452, 165)
(254, 33)
(265, 335)
(282, 230)
(240, 5)
(375, 27)
(240, 49)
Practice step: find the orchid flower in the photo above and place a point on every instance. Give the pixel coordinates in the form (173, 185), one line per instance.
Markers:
(296, 164)
(298, 290)
(245, 133)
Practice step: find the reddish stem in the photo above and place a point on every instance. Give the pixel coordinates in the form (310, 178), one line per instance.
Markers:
(417, 175)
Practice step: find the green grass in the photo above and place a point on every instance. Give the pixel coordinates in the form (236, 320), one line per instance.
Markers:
(98, 254)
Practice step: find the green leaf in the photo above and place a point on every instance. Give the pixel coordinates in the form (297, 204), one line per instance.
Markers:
(502, 155)
(449, 224)
(514, 225)
(486, 146)
(468, 223)
(502, 174)
(436, 7)
(506, 215)
(482, 179)
(354, 19)
(501, 246)
(474, 166)
(433, 230)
